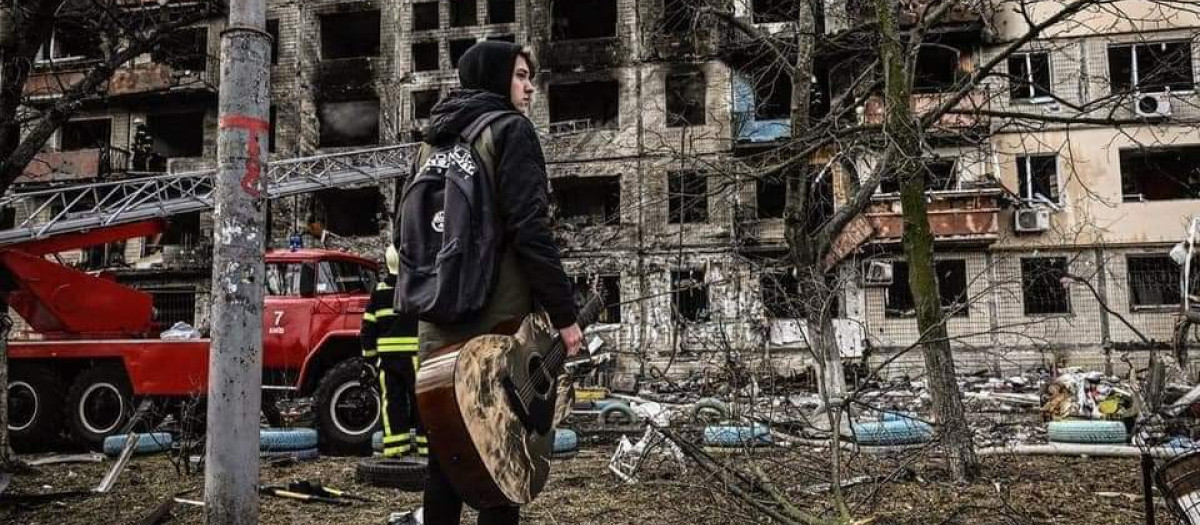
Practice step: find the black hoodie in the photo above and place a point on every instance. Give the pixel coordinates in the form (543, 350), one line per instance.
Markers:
(521, 187)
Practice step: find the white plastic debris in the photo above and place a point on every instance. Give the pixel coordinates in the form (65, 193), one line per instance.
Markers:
(180, 331)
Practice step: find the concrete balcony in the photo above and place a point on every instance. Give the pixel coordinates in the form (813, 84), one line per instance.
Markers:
(957, 217)
(140, 79)
(83, 164)
(925, 102)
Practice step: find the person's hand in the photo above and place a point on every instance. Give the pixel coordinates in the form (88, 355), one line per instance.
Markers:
(368, 376)
(572, 338)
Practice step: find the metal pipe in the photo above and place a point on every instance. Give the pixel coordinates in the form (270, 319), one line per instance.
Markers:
(235, 359)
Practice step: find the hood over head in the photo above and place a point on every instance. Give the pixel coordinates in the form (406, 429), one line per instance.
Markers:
(488, 65)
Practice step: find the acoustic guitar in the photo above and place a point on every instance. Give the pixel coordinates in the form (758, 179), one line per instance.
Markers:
(488, 407)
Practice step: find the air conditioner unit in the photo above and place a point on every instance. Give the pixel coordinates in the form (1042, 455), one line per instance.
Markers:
(1152, 104)
(1031, 220)
(877, 273)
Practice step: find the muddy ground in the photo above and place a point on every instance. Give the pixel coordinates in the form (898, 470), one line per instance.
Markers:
(582, 491)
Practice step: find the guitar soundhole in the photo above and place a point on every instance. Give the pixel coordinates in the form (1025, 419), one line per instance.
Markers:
(538, 378)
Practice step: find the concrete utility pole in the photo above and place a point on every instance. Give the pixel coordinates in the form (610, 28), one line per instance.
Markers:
(235, 360)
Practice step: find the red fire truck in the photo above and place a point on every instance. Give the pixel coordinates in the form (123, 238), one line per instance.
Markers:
(99, 351)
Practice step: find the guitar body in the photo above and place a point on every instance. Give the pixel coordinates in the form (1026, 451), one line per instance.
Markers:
(493, 445)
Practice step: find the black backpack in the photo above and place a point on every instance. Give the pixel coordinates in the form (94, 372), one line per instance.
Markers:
(449, 232)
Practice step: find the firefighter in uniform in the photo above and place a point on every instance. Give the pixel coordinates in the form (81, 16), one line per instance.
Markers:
(389, 342)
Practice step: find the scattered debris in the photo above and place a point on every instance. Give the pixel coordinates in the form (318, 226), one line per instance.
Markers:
(282, 492)
(91, 457)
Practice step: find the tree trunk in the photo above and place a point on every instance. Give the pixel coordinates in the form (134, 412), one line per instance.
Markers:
(901, 130)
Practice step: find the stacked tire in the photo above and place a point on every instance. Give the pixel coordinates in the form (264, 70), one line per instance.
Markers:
(288, 443)
(892, 431)
(406, 474)
(566, 443)
(1087, 431)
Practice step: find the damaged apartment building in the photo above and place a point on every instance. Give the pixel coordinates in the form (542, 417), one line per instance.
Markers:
(640, 107)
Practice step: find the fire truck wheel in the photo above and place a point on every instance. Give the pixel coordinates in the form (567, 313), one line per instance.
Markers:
(98, 405)
(347, 412)
(35, 406)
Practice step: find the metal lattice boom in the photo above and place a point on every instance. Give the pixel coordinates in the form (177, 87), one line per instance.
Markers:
(85, 206)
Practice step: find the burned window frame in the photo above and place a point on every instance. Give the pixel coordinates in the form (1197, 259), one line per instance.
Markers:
(273, 30)
(417, 105)
(368, 48)
(1036, 90)
(421, 22)
(936, 83)
(778, 291)
(50, 50)
(346, 212)
(686, 94)
(460, 17)
(1167, 289)
(1048, 272)
(1128, 79)
(61, 133)
(323, 138)
(890, 184)
(610, 287)
(953, 290)
(1133, 189)
(689, 301)
(567, 203)
(1030, 168)
(196, 149)
(508, 7)
(611, 10)
(194, 59)
(417, 63)
(773, 13)
(560, 95)
(773, 97)
(686, 205)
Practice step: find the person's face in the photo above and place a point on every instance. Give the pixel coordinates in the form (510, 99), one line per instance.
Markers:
(521, 90)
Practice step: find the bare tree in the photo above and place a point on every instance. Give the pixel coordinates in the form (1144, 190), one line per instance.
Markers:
(108, 35)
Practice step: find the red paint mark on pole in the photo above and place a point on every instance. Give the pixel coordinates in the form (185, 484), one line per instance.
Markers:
(252, 126)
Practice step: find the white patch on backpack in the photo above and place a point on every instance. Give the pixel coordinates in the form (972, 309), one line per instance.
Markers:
(439, 221)
(460, 155)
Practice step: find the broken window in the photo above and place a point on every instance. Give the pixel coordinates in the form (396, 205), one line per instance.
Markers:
(425, 16)
(1043, 287)
(769, 11)
(70, 41)
(951, 276)
(1152, 67)
(1153, 281)
(588, 201)
(780, 290)
(462, 13)
(172, 305)
(177, 134)
(349, 123)
(1152, 174)
(609, 285)
(585, 105)
(182, 230)
(349, 35)
(771, 196)
(502, 11)
(85, 134)
(937, 68)
(685, 99)
(678, 15)
(1029, 76)
(1037, 178)
(688, 196)
(458, 48)
(273, 30)
(8, 217)
(577, 19)
(689, 295)
(772, 95)
(423, 102)
(349, 213)
(185, 49)
(940, 175)
(425, 56)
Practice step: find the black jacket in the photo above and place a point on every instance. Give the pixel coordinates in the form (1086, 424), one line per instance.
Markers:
(522, 191)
